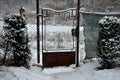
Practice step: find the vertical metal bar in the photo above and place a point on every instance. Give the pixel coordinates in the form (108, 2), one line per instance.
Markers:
(74, 34)
(77, 33)
(45, 34)
(42, 31)
(38, 31)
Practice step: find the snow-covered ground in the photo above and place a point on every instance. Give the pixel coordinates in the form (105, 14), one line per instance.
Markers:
(20, 73)
(86, 71)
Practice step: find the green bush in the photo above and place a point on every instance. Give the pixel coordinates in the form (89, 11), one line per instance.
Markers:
(109, 42)
(16, 41)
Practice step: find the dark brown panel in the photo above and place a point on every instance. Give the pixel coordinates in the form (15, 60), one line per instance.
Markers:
(51, 59)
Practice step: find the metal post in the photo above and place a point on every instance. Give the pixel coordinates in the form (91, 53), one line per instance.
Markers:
(38, 31)
(77, 33)
(42, 23)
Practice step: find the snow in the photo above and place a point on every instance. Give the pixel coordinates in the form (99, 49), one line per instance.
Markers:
(86, 71)
(20, 73)
(50, 28)
(57, 70)
(107, 20)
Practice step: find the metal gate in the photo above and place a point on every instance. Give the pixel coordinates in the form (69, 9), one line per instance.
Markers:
(58, 41)
(60, 44)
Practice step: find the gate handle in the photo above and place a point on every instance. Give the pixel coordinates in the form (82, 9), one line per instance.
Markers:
(73, 32)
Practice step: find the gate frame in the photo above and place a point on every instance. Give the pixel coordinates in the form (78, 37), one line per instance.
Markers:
(76, 31)
(62, 57)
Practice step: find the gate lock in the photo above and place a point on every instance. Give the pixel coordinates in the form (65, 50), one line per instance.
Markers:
(73, 32)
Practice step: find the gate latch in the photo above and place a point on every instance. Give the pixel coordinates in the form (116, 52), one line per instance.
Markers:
(73, 32)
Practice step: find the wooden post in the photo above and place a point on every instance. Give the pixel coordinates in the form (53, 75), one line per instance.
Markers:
(77, 33)
(38, 31)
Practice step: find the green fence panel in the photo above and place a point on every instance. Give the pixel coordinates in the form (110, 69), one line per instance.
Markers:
(91, 31)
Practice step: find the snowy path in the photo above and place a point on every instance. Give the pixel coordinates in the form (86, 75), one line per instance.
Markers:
(85, 72)
(88, 72)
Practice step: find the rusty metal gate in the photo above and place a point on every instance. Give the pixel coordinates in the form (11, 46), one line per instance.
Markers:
(60, 42)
